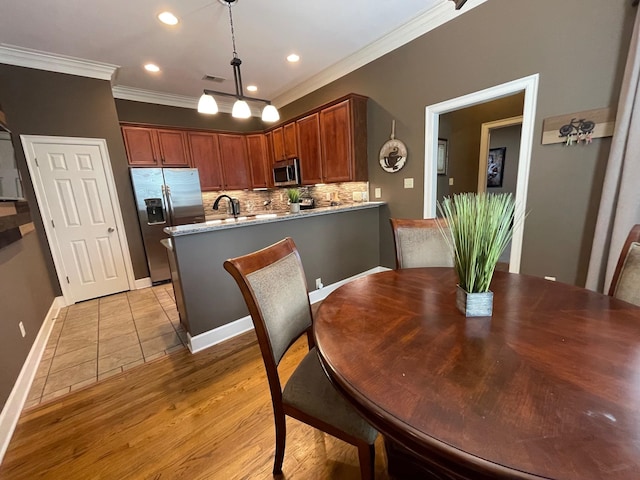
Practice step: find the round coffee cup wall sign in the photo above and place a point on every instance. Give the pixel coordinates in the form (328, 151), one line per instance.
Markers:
(393, 154)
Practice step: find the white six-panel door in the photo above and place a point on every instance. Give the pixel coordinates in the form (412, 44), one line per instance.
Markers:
(72, 181)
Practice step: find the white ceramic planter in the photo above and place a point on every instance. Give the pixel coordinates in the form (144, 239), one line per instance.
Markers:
(294, 207)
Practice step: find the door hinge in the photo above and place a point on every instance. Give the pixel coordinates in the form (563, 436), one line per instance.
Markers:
(53, 224)
(68, 280)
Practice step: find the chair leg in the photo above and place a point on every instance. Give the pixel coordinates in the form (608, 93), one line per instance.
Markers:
(367, 456)
(281, 436)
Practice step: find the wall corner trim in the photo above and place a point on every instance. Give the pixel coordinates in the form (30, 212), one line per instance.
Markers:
(13, 408)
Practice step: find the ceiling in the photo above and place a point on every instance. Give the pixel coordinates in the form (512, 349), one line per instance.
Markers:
(332, 37)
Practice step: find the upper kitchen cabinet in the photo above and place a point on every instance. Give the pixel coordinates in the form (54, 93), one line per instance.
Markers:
(309, 149)
(258, 160)
(155, 147)
(290, 140)
(205, 156)
(343, 135)
(234, 160)
(284, 142)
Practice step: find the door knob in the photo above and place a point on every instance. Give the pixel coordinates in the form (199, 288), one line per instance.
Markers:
(110, 229)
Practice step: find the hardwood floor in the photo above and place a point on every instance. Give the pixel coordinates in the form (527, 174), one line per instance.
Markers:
(183, 416)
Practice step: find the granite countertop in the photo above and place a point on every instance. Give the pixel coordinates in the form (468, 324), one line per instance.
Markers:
(220, 222)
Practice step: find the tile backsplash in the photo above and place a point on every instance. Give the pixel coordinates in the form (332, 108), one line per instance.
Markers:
(275, 199)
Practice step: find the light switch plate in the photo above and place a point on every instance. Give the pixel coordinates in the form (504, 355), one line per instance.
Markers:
(408, 183)
(451, 181)
(377, 193)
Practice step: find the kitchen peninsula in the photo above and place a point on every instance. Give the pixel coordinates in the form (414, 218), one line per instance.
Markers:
(335, 243)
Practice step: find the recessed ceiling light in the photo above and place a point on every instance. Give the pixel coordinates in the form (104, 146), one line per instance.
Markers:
(293, 58)
(252, 88)
(168, 18)
(150, 67)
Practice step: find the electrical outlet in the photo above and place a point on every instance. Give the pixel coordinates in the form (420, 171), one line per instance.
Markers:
(377, 193)
(451, 181)
(357, 196)
(319, 283)
(22, 330)
(408, 183)
(327, 196)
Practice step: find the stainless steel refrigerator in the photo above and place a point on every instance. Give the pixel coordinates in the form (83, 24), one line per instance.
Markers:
(165, 197)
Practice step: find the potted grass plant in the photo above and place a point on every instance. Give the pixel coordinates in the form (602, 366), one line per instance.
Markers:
(480, 226)
(294, 199)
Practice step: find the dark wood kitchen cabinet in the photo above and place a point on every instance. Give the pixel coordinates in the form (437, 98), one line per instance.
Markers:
(205, 156)
(290, 141)
(277, 144)
(309, 149)
(284, 142)
(343, 134)
(234, 160)
(258, 160)
(155, 147)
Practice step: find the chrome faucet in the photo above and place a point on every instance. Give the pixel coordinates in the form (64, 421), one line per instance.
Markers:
(234, 204)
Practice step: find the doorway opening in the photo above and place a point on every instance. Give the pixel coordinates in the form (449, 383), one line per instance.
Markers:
(528, 85)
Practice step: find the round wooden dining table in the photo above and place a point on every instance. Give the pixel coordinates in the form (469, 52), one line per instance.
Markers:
(547, 387)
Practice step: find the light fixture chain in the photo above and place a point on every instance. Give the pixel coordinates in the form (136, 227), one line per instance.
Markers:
(233, 36)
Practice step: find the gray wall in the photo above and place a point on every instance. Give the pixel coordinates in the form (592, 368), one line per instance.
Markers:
(332, 247)
(44, 103)
(499, 41)
(139, 112)
(508, 137)
(462, 128)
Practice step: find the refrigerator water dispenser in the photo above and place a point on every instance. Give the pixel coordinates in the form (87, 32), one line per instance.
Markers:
(155, 212)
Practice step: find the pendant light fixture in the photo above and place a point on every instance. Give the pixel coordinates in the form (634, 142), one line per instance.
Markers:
(207, 103)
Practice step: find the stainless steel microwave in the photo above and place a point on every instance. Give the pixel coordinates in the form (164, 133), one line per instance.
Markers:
(286, 173)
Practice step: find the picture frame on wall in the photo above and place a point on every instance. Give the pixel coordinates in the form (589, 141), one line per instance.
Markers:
(443, 156)
(495, 166)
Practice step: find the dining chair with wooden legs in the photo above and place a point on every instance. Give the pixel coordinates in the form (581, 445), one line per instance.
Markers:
(419, 243)
(625, 284)
(274, 287)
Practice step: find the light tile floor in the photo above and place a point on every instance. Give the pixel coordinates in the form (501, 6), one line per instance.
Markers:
(99, 338)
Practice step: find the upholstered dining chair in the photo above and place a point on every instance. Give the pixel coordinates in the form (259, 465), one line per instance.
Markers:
(625, 283)
(419, 243)
(274, 287)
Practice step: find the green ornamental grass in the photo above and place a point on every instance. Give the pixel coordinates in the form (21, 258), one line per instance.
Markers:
(480, 228)
(294, 195)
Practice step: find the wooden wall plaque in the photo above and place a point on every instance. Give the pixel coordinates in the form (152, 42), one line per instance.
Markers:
(554, 127)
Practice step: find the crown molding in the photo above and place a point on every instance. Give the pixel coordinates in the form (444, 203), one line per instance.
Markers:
(413, 29)
(225, 104)
(26, 57)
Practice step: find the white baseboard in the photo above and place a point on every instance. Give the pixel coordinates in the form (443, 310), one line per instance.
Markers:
(12, 409)
(220, 334)
(322, 293)
(244, 324)
(143, 283)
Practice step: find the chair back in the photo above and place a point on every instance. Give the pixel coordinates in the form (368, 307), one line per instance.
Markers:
(274, 288)
(419, 243)
(625, 284)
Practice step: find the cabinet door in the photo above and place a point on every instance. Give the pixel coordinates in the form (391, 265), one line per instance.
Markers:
(268, 137)
(173, 148)
(235, 166)
(257, 153)
(277, 137)
(140, 143)
(205, 156)
(335, 132)
(309, 150)
(290, 142)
